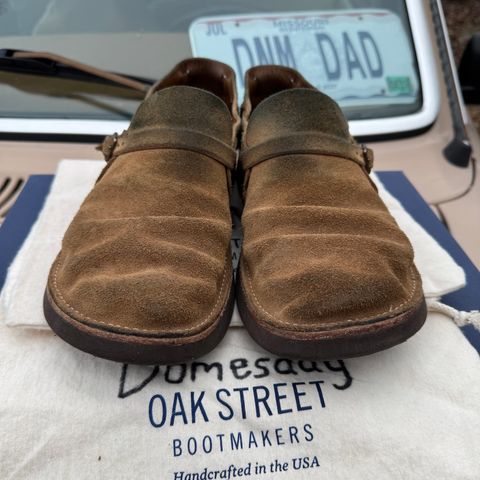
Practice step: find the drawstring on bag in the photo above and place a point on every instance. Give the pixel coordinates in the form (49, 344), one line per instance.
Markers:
(460, 318)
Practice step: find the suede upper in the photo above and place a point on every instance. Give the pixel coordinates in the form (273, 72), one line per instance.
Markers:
(149, 250)
(320, 248)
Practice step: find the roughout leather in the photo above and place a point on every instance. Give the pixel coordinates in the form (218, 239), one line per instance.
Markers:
(148, 253)
(320, 249)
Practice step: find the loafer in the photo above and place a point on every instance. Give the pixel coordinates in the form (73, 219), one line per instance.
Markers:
(144, 274)
(325, 272)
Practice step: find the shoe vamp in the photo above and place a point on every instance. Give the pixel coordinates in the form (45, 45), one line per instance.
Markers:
(320, 247)
(148, 248)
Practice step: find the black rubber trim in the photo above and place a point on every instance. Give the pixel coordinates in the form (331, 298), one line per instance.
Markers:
(51, 137)
(393, 136)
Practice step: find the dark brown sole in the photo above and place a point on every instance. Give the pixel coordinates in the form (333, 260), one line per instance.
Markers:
(347, 342)
(136, 349)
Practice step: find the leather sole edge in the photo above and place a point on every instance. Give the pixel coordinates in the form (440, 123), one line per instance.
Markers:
(333, 344)
(137, 349)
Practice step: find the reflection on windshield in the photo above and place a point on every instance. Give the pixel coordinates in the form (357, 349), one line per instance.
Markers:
(47, 17)
(365, 61)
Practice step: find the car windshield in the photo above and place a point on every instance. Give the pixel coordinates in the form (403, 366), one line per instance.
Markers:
(360, 52)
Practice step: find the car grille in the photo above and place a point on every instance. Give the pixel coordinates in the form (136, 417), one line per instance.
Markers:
(10, 188)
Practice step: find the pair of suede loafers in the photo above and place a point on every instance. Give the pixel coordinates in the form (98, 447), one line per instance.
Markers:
(145, 272)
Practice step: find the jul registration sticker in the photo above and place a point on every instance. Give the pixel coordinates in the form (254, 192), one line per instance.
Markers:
(353, 55)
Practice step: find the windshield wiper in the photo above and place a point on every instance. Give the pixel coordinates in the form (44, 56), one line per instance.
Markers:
(53, 65)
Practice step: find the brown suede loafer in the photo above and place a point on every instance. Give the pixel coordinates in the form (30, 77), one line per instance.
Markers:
(325, 272)
(144, 274)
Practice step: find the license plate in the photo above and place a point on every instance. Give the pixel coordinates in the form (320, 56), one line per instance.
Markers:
(358, 57)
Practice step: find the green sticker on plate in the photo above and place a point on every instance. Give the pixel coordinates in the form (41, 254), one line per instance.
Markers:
(399, 85)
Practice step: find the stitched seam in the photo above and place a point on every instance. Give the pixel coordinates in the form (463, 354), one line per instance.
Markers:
(282, 322)
(265, 158)
(214, 221)
(139, 330)
(252, 151)
(218, 158)
(252, 211)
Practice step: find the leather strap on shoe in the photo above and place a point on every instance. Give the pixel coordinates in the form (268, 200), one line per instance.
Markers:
(163, 138)
(307, 143)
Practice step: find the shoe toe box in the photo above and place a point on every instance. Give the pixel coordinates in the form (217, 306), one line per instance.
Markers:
(316, 282)
(143, 279)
